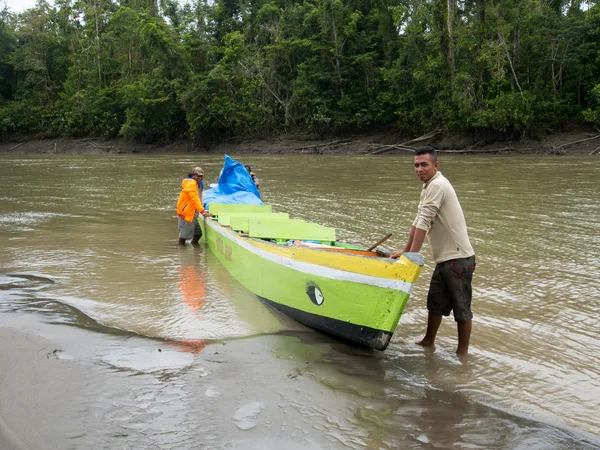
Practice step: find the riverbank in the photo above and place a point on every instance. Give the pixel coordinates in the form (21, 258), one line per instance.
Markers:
(575, 140)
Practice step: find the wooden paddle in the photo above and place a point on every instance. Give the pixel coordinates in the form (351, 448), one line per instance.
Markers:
(378, 243)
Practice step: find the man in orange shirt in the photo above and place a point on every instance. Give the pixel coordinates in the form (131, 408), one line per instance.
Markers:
(189, 206)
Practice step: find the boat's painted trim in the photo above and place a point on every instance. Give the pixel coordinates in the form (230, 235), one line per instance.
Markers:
(372, 265)
(309, 268)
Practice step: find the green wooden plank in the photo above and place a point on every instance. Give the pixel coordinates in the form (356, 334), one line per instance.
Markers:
(218, 208)
(225, 218)
(240, 222)
(289, 229)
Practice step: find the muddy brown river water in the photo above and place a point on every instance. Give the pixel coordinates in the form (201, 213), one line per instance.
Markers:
(155, 346)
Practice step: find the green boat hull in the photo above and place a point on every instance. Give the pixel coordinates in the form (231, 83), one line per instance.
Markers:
(353, 306)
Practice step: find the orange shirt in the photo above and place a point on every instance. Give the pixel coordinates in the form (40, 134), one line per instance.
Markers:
(189, 200)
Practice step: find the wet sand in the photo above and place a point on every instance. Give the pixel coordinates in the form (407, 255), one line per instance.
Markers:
(33, 386)
(93, 391)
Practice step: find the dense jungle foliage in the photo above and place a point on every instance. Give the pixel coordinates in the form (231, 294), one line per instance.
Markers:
(211, 69)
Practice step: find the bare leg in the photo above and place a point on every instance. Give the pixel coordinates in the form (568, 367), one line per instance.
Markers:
(464, 335)
(196, 239)
(181, 241)
(433, 323)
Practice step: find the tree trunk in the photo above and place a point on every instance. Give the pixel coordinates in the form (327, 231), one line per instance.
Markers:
(481, 13)
(512, 67)
(449, 22)
(98, 46)
(337, 50)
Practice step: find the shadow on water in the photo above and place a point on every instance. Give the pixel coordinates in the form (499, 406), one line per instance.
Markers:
(24, 297)
(9, 281)
(23, 293)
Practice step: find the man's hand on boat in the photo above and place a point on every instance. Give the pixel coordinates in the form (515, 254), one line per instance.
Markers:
(205, 213)
(396, 255)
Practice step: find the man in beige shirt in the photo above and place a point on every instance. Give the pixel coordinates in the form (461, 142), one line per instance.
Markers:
(441, 218)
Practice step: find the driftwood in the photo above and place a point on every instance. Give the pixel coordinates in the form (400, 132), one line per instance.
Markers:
(425, 137)
(18, 145)
(405, 145)
(595, 152)
(491, 150)
(333, 144)
(319, 150)
(577, 142)
(382, 148)
(99, 147)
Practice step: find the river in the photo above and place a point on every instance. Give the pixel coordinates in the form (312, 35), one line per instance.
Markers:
(172, 352)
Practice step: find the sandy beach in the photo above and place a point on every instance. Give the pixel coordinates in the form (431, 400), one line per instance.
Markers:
(36, 386)
(91, 392)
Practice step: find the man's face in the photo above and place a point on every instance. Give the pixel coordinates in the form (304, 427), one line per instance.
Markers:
(424, 168)
(198, 177)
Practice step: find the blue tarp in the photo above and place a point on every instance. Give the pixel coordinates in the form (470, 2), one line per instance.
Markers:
(235, 186)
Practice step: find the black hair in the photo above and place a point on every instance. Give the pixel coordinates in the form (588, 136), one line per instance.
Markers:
(427, 150)
(248, 168)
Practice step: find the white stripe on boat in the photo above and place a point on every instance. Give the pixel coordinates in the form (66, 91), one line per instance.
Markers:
(314, 269)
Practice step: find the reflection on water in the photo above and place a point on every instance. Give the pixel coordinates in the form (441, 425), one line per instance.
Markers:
(95, 249)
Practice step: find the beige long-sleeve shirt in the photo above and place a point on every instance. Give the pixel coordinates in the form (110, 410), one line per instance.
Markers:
(441, 216)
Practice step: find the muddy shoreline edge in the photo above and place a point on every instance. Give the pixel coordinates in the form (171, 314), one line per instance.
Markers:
(578, 140)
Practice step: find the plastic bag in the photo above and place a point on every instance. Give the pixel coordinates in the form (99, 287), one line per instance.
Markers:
(235, 186)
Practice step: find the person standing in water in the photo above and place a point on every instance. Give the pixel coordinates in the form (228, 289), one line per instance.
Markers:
(441, 218)
(189, 206)
(252, 174)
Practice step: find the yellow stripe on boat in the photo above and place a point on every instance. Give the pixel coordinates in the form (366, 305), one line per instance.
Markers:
(402, 269)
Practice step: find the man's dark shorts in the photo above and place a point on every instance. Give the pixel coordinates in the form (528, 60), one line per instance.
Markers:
(450, 288)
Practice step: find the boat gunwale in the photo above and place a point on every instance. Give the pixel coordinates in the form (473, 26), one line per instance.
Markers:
(344, 251)
(325, 271)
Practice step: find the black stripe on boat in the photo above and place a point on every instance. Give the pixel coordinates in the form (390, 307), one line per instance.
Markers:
(370, 337)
